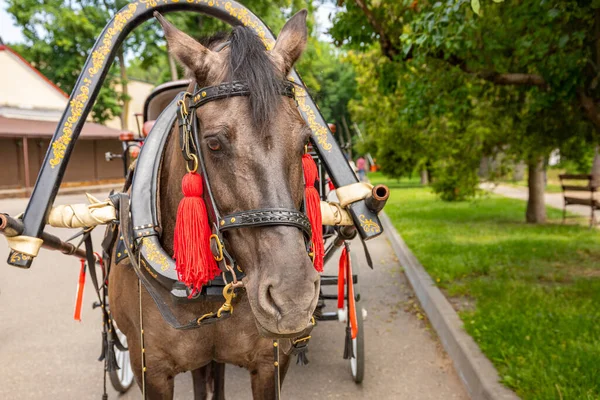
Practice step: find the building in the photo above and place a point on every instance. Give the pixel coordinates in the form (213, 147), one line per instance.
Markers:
(30, 108)
(137, 91)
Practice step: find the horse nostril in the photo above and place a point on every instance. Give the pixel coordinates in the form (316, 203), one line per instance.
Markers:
(271, 299)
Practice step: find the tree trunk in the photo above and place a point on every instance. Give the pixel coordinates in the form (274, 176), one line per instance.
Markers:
(536, 206)
(424, 177)
(347, 131)
(124, 91)
(596, 169)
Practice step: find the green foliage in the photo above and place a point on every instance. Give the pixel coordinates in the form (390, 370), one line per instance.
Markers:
(440, 86)
(59, 34)
(330, 80)
(528, 294)
(426, 118)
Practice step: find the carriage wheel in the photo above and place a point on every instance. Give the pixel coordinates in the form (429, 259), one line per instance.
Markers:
(121, 379)
(357, 362)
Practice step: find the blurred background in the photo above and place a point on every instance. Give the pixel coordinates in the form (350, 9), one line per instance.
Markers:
(481, 116)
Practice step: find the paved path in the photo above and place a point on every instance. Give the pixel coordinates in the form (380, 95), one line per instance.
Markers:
(46, 355)
(554, 200)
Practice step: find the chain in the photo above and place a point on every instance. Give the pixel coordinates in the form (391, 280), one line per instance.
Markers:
(188, 145)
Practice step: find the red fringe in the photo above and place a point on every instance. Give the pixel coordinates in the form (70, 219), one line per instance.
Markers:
(80, 286)
(313, 209)
(194, 261)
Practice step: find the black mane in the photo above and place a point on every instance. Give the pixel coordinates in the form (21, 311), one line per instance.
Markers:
(249, 62)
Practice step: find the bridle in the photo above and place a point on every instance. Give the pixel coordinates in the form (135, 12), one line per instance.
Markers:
(189, 135)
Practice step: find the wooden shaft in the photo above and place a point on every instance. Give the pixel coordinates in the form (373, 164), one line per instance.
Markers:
(10, 226)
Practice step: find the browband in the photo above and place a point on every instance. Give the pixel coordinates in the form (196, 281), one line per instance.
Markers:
(232, 89)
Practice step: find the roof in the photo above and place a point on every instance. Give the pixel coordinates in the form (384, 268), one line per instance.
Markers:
(4, 47)
(12, 127)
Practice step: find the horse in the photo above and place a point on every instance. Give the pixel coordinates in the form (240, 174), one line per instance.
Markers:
(252, 147)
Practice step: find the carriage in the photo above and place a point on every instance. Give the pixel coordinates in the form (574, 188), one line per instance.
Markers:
(344, 209)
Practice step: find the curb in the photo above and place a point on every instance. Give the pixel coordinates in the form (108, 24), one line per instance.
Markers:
(474, 369)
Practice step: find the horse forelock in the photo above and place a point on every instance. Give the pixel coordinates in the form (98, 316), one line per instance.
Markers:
(248, 61)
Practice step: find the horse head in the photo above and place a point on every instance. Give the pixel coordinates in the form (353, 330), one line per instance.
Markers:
(252, 147)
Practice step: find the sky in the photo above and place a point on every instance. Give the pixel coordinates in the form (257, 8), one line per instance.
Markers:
(11, 34)
(8, 32)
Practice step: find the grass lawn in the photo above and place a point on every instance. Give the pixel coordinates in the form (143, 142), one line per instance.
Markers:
(530, 295)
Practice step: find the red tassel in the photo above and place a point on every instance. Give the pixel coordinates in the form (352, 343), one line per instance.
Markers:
(194, 261)
(80, 286)
(313, 209)
(331, 185)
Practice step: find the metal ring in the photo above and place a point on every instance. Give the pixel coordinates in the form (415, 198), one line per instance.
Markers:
(230, 269)
(219, 247)
(195, 160)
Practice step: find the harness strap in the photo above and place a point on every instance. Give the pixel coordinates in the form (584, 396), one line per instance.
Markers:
(152, 286)
(276, 370)
(101, 292)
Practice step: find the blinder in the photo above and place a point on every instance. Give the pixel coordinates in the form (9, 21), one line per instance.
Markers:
(189, 136)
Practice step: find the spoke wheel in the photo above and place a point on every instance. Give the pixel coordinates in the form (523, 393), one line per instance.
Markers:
(121, 379)
(357, 362)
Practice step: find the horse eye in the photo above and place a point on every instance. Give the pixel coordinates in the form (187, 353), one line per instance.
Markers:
(213, 144)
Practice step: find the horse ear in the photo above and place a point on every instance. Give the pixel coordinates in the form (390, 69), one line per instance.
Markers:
(291, 41)
(186, 50)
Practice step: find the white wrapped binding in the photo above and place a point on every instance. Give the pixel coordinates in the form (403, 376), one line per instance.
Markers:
(333, 214)
(25, 244)
(352, 193)
(82, 215)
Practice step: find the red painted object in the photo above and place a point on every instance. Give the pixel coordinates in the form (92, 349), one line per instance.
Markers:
(80, 286)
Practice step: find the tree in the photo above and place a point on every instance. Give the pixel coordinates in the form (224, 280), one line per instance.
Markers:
(60, 33)
(331, 83)
(538, 61)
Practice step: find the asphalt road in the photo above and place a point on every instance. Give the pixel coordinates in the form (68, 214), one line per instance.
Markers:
(45, 354)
